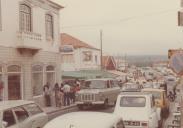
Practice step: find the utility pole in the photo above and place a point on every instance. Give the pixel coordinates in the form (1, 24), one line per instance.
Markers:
(101, 49)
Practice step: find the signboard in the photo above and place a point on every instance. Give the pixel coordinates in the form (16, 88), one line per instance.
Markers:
(180, 18)
(171, 52)
(176, 63)
(66, 48)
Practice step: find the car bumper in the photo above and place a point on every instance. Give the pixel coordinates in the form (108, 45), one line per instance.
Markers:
(90, 102)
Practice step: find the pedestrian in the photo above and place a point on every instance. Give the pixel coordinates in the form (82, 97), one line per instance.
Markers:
(72, 94)
(47, 93)
(57, 95)
(174, 90)
(61, 94)
(1, 90)
(66, 90)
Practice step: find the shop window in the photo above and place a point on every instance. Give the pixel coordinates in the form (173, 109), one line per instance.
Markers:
(37, 80)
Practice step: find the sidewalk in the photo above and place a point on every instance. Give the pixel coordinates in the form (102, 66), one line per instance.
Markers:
(50, 110)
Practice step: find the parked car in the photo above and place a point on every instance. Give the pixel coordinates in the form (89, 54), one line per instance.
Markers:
(21, 114)
(137, 110)
(98, 92)
(160, 100)
(86, 120)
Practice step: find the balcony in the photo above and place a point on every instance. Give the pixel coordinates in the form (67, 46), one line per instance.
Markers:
(28, 41)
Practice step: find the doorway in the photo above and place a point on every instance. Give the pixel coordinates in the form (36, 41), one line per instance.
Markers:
(14, 87)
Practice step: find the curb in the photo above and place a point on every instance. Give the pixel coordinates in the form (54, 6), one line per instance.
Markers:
(62, 109)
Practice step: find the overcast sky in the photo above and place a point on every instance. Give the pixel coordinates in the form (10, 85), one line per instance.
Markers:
(132, 27)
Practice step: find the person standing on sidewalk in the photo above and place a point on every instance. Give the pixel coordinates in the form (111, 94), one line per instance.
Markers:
(46, 93)
(57, 95)
(66, 90)
(62, 94)
(1, 90)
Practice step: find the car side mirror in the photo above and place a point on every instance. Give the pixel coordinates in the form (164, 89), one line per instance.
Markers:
(5, 124)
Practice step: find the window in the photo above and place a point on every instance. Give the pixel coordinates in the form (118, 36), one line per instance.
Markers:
(37, 80)
(9, 117)
(87, 56)
(33, 109)
(25, 18)
(21, 114)
(14, 68)
(96, 59)
(49, 26)
(0, 17)
(50, 74)
(127, 101)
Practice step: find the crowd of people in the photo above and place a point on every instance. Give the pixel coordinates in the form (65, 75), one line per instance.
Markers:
(64, 94)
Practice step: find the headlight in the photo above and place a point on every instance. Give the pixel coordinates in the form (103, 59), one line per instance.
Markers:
(120, 124)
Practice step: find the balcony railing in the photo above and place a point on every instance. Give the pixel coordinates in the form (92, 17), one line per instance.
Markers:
(29, 40)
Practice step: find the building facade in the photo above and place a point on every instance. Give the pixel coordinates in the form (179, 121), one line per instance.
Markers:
(29, 47)
(78, 55)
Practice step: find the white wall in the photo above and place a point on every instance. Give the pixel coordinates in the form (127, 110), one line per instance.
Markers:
(79, 64)
(10, 24)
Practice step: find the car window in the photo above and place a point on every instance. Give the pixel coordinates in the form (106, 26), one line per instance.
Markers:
(21, 113)
(96, 84)
(33, 109)
(129, 101)
(9, 117)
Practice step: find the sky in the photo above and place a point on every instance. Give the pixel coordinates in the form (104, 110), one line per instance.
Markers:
(131, 27)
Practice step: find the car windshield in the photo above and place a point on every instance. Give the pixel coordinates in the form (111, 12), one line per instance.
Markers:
(157, 95)
(129, 101)
(95, 84)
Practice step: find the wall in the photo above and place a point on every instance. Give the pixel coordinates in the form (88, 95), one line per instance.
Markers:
(10, 24)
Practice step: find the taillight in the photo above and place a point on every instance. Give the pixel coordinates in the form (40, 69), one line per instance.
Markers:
(144, 124)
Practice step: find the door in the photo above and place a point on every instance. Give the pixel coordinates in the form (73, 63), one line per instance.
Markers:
(14, 87)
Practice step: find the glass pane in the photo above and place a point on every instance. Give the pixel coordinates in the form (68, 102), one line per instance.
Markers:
(37, 83)
(14, 68)
(50, 68)
(51, 78)
(9, 118)
(33, 109)
(21, 114)
(37, 68)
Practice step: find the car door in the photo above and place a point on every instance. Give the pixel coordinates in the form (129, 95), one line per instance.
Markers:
(22, 117)
(37, 116)
(9, 118)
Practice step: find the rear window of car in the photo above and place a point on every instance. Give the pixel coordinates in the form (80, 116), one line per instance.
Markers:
(33, 109)
(130, 101)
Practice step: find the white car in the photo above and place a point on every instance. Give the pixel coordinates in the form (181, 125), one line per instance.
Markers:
(137, 110)
(86, 120)
(21, 114)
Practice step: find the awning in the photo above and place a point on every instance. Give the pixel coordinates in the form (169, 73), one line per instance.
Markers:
(117, 73)
(88, 74)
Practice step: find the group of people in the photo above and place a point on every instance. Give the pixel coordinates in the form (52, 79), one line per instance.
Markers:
(64, 94)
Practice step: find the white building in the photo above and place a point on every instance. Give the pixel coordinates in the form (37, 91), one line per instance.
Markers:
(29, 47)
(78, 55)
